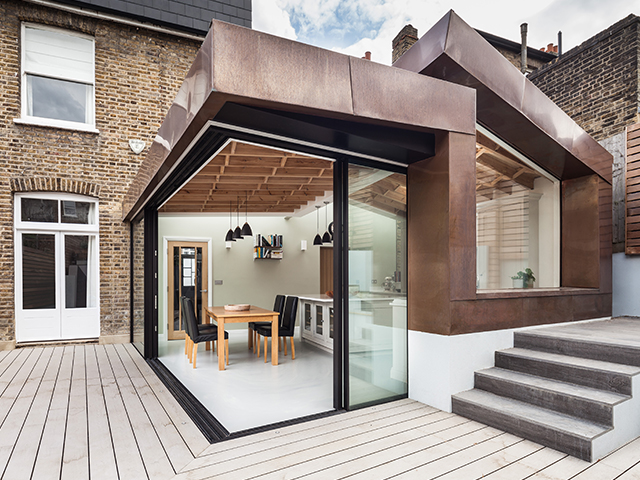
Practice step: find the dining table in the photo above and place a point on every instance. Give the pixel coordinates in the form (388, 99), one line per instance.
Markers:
(221, 316)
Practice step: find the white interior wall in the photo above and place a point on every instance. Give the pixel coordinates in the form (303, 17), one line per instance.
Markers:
(626, 300)
(245, 280)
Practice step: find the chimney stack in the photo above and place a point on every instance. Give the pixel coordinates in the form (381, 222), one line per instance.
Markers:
(367, 56)
(403, 41)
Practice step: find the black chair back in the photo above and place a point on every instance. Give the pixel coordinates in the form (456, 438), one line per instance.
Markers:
(278, 306)
(189, 316)
(288, 323)
(183, 308)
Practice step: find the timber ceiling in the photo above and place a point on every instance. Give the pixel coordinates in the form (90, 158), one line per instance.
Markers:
(274, 181)
(388, 193)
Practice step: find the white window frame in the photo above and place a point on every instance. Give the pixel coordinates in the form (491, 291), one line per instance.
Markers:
(89, 126)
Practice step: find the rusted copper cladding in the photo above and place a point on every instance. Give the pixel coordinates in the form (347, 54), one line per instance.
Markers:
(251, 68)
(508, 103)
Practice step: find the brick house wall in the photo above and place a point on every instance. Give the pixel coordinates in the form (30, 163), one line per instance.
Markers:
(137, 75)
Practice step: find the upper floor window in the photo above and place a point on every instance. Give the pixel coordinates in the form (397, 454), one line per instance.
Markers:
(57, 77)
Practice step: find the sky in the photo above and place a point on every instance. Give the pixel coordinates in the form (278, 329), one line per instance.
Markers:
(356, 26)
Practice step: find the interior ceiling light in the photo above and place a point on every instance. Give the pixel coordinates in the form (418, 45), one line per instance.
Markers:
(237, 233)
(326, 238)
(246, 228)
(317, 239)
(229, 237)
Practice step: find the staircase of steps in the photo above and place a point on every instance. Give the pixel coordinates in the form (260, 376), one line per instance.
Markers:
(574, 393)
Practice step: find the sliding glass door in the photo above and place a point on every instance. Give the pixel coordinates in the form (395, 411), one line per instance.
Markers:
(377, 291)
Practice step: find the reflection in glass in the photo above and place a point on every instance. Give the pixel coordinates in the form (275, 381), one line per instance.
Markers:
(377, 306)
(76, 270)
(57, 99)
(307, 316)
(319, 320)
(137, 242)
(38, 271)
(517, 220)
(77, 212)
(39, 210)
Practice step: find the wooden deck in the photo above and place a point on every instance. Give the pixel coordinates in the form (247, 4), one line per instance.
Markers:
(89, 412)
(93, 412)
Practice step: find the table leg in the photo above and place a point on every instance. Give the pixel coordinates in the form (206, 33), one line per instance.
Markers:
(250, 339)
(220, 339)
(274, 340)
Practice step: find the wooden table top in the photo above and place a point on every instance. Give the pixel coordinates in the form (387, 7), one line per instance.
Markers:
(220, 312)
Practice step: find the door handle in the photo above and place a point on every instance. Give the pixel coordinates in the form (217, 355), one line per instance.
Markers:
(204, 291)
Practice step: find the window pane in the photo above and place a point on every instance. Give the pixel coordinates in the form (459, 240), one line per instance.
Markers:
(39, 210)
(57, 99)
(137, 244)
(518, 218)
(377, 289)
(38, 271)
(77, 212)
(76, 270)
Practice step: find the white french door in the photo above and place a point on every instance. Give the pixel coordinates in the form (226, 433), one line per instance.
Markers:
(56, 268)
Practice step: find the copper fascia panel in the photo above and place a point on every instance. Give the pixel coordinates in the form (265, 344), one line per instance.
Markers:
(256, 69)
(508, 103)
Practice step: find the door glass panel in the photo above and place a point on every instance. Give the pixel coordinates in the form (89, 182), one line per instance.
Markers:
(377, 290)
(77, 212)
(176, 289)
(198, 284)
(319, 320)
(38, 271)
(307, 316)
(39, 210)
(76, 270)
(188, 272)
(331, 322)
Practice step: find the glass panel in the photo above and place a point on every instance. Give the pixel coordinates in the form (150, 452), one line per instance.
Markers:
(57, 99)
(188, 272)
(77, 212)
(39, 210)
(330, 322)
(76, 270)
(517, 220)
(319, 320)
(377, 293)
(138, 285)
(198, 285)
(307, 316)
(38, 271)
(176, 289)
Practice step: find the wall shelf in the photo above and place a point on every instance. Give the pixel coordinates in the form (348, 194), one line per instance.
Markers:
(267, 247)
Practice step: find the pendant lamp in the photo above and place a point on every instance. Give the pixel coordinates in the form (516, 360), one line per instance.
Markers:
(237, 233)
(246, 228)
(317, 239)
(326, 238)
(229, 237)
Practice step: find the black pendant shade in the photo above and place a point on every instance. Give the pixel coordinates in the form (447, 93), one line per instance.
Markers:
(246, 228)
(326, 238)
(237, 233)
(229, 237)
(317, 240)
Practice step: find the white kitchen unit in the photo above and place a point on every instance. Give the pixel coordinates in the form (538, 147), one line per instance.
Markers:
(316, 320)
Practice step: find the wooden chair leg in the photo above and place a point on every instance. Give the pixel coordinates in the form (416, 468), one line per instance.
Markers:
(207, 346)
(186, 345)
(226, 347)
(293, 350)
(285, 346)
(265, 348)
(190, 353)
(258, 346)
(195, 354)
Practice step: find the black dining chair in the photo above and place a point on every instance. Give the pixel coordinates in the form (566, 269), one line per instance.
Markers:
(200, 333)
(278, 306)
(202, 328)
(285, 329)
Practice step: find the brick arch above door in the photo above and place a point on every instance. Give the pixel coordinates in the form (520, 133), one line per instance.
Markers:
(54, 184)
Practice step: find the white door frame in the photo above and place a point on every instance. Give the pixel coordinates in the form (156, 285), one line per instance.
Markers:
(69, 323)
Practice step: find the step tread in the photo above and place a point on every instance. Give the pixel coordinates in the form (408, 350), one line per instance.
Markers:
(623, 331)
(593, 394)
(587, 363)
(541, 416)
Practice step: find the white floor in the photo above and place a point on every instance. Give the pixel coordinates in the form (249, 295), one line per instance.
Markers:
(251, 393)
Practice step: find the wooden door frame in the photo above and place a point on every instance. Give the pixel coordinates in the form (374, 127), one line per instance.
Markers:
(165, 277)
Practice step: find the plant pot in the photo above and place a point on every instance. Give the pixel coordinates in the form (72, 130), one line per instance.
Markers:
(529, 284)
(518, 282)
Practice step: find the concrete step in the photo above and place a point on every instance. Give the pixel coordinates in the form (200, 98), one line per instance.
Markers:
(608, 376)
(556, 430)
(580, 343)
(576, 400)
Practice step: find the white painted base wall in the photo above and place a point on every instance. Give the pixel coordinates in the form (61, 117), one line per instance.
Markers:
(441, 365)
(626, 278)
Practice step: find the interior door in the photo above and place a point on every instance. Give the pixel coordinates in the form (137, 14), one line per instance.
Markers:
(187, 276)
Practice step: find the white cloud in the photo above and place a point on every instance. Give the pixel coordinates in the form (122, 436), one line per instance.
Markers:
(356, 26)
(268, 17)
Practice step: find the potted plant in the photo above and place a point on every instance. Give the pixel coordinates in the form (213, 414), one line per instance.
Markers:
(524, 279)
(518, 280)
